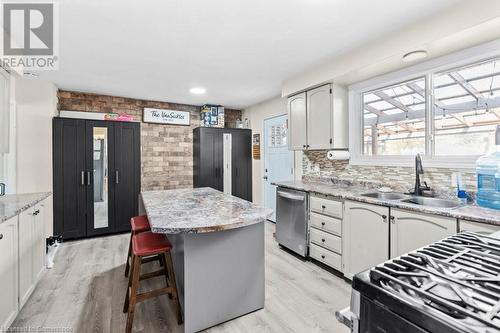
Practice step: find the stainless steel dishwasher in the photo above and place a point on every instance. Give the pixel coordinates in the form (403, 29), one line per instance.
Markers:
(291, 219)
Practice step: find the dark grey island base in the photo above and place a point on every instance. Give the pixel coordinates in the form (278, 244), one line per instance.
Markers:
(218, 252)
(220, 275)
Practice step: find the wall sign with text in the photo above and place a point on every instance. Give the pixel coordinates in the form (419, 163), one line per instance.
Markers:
(171, 117)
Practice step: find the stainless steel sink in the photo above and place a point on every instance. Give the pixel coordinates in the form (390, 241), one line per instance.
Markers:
(433, 202)
(385, 196)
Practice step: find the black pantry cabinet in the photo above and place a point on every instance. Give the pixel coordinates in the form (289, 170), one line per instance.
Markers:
(222, 159)
(96, 176)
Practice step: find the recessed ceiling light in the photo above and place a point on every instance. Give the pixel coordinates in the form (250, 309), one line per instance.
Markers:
(414, 55)
(30, 75)
(197, 91)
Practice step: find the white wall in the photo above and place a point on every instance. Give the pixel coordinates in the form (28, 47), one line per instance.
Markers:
(468, 24)
(36, 106)
(256, 114)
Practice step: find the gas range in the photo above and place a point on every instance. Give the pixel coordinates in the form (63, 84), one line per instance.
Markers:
(450, 286)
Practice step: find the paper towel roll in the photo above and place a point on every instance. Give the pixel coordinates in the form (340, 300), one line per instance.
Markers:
(338, 155)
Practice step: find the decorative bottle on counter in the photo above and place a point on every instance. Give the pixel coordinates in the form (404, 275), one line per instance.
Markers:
(488, 177)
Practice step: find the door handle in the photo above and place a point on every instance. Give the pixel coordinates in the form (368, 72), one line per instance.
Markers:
(88, 178)
(83, 178)
(117, 177)
(290, 196)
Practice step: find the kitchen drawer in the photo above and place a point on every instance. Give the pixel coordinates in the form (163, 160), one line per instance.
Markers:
(328, 258)
(326, 206)
(326, 223)
(326, 240)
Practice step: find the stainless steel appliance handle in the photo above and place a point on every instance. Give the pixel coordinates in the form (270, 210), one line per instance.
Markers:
(290, 196)
(83, 177)
(117, 177)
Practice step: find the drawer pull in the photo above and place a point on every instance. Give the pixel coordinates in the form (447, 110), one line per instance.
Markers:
(323, 240)
(323, 206)
(1, 236)
(322, 256)
(323, 223)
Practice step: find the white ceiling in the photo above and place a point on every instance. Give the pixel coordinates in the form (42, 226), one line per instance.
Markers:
(239, 50)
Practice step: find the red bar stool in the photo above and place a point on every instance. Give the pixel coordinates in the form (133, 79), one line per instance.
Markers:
(149, 244)
(138, 224)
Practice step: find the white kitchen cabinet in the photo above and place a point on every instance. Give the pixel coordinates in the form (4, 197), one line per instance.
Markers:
(365, 235)
(26, 246)
(319, 117)
(480, 228)
(31, 249)
(297, 124)
(410, 231)
(9, 271)
(39, 240)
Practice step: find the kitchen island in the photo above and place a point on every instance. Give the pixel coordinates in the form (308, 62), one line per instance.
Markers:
(218, 252)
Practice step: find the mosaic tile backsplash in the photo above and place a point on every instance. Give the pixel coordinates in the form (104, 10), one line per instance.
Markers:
(316, 166)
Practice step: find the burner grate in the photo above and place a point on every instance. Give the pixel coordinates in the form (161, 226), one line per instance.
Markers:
(458, 276)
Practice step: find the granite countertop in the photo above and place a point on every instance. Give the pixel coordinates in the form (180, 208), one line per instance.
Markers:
(13, 204)
(199, 210)
(341, 191)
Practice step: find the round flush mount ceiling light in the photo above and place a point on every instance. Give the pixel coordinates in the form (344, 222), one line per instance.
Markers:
(197, 91)
(30, 75)
(414, 55)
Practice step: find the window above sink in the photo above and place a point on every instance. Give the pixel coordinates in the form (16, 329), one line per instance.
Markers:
(446, 109)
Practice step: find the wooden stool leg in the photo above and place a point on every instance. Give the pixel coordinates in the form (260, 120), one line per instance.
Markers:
(173, 285)
(136, 274)
(129, 255)
(127, 295)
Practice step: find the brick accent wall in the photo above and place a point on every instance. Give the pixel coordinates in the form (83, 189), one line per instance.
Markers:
(166, 150)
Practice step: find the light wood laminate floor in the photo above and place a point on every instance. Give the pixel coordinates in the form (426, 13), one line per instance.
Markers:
(86, 288)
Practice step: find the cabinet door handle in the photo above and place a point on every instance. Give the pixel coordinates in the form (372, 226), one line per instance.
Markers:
(322, 256)
(117, 177)
(1, 236)
(88, 178)
(83, 178)
(393, 219)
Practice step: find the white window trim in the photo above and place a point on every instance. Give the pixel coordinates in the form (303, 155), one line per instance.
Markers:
(424, 69)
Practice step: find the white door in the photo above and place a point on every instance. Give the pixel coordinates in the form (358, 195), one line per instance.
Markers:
(365, 237)
(278, 160)
(319, 118)
(298, 122)
(8, 271)
(410, 231)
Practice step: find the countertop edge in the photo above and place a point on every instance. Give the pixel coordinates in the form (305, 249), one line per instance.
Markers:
(205, 230)
(28, 205)
(457, 213)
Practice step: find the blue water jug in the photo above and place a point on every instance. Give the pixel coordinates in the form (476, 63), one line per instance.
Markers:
(488, 177)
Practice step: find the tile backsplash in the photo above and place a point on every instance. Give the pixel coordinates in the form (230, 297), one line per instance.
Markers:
(315, 164)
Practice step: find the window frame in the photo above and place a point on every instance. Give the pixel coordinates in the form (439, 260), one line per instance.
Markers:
(426, 70)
